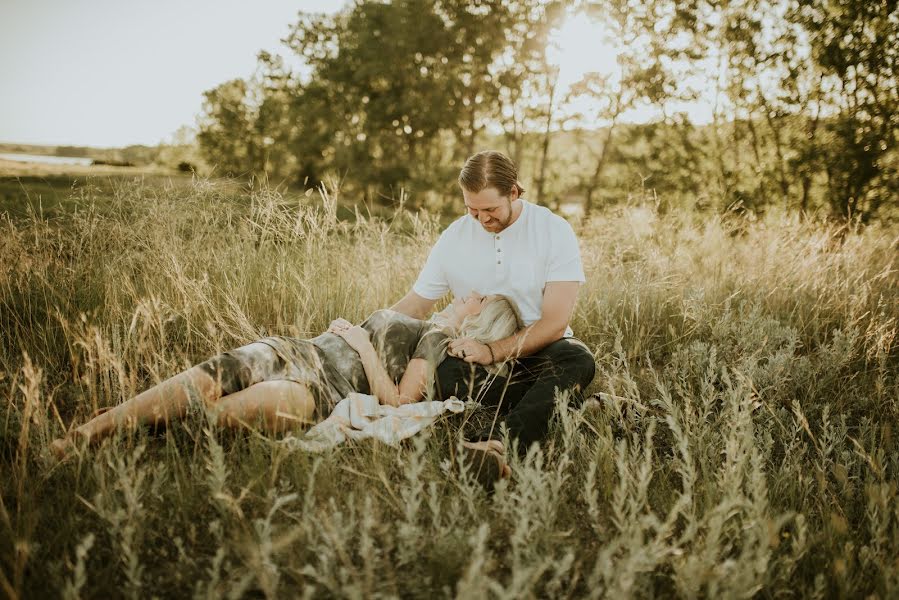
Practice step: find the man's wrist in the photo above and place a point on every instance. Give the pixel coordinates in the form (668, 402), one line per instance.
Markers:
(492, 356)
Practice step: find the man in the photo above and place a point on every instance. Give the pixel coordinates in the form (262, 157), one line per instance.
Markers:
(507, 245)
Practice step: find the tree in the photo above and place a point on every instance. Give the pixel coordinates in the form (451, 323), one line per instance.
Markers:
(225, 130)
(480, 33)
(274, 124)
(528, 95)
(813, 85)
(396, 77)
(611, 100)
(856, 46)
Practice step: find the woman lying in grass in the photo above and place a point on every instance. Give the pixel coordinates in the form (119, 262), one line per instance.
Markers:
(281, 382)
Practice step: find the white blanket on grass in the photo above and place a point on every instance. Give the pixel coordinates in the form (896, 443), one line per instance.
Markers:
(361, 416)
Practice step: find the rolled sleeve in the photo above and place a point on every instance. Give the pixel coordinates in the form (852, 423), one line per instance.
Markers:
(565, 260)
(432, 283)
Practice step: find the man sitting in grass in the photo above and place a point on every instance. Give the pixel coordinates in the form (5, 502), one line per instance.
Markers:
(507, 245)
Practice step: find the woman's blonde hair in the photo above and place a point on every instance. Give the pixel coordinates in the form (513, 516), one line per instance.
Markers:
(499, 319)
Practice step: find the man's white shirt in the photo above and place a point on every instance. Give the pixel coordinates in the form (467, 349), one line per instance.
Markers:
(537, 248)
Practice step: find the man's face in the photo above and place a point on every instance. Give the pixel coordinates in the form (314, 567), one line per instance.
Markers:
(493, 211)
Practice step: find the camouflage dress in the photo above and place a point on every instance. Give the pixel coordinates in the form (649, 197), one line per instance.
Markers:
(326, 364)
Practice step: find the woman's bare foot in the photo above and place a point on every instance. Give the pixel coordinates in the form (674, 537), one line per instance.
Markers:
(489, 461)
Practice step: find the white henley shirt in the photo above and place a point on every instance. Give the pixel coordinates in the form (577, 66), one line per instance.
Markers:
(538, 247)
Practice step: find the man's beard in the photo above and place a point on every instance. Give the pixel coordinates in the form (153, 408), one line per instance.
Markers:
(500, 224)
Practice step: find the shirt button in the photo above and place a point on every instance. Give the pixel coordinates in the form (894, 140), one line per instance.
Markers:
(499, 262)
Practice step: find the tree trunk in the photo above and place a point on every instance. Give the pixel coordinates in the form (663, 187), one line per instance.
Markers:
(778, 150)
(724, 176)
(807, 169)
(600, 165)
(472, 123)
(544, 152)
(761, 189)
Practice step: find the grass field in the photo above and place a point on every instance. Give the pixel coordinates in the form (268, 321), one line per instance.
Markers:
(745, 446)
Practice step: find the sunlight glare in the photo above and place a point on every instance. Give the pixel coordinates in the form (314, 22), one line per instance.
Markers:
(582, 45)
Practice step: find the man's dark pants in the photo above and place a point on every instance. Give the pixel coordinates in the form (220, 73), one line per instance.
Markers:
(527, 396)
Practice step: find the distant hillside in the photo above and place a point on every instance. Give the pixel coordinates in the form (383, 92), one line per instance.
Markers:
(137, 155)
(29, 149)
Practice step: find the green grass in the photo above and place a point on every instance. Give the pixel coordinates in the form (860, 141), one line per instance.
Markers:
(55, 195)
(743, 445)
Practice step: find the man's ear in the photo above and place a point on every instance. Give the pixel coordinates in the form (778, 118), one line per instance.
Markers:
(514, 193)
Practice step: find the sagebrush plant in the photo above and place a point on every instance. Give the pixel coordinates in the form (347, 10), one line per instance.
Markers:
(739, 441)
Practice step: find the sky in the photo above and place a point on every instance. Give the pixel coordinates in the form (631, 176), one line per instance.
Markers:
(120, 72)
(111, 73)
(582, 45)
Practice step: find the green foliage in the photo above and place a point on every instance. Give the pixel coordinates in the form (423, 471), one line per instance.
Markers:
(381, 71)
(812, 86)
(226, 134)
(740, 443)
(856, 47)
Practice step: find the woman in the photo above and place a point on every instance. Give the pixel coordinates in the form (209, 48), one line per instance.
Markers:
(283, 382)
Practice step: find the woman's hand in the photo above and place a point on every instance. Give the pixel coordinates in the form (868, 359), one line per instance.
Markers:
(339, 324)
(470, 350)
(356, 337)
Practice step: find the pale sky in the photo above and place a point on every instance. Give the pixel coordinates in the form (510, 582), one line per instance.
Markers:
(119, 72)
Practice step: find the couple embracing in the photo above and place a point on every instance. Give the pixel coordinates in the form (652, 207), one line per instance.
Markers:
(514, 270)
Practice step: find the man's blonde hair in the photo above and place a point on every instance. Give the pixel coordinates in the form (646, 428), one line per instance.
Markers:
(490, 169)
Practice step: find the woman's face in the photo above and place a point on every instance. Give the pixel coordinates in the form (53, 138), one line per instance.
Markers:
(470, 305)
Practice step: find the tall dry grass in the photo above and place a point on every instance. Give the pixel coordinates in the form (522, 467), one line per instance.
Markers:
(741, 443)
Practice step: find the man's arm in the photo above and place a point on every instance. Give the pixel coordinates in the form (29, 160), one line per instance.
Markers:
(559, 298)
(414, 306)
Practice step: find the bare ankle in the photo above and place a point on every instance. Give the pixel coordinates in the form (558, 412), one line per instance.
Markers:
(80, 435)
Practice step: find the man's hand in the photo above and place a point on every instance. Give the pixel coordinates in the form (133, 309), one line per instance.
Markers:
(558, 305)
(470, 350)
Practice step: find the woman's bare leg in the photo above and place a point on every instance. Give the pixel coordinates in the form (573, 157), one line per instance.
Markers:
(167, 400)
(277, 405)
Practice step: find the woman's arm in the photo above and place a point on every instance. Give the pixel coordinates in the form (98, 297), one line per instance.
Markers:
(412, 385)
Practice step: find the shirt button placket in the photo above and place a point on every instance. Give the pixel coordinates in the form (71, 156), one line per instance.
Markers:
(497, 244)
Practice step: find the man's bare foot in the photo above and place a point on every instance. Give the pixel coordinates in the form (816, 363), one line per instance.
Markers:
(63, 447)
(489, 461)
(60, 448)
